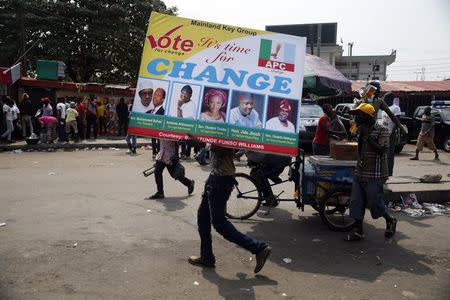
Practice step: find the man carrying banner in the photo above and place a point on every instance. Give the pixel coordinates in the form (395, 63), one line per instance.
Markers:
(244, 114)
(281, 122)
(212, 209)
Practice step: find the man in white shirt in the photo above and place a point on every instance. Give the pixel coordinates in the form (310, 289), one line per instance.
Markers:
(281, 122)
(392, 128)
(186, 108)
(61, 111)
(244, 114)
(8, 115)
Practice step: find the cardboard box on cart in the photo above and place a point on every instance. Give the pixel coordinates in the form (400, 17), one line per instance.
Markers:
(344, 150)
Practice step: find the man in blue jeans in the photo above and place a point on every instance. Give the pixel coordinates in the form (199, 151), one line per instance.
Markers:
(212, 209)
(371, 173)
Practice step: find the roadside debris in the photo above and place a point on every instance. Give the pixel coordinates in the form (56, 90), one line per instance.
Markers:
(287, 260)
(284, 295)
(2, 224)
(195, 283)
(411, 207)
(18, 151)
(52, 173)
(431, 178)
(316, 240)
(149, 210)
(245, 290)
(114, 149)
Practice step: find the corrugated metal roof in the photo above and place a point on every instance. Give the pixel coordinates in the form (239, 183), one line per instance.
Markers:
(407, 86)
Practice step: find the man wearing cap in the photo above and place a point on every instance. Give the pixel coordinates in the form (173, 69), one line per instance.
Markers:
(371, 173)
(71, 121)
(145, 92)
(281, 122)
(244, 114)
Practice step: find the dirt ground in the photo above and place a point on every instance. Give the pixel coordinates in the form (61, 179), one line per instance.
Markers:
(78, 227)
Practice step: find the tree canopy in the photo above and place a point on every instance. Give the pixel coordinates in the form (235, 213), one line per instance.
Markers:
(98, 40)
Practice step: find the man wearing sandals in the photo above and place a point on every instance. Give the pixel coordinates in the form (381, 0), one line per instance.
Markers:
(371, 173)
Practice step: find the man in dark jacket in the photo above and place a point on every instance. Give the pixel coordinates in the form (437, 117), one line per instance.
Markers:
(122, 116)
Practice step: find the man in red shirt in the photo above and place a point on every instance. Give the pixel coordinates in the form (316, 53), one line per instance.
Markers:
(81, 109)
(321, 142)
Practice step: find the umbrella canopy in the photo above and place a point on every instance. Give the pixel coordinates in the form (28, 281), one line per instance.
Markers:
(322, 79)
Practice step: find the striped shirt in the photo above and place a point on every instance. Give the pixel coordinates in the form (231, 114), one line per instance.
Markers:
(372, 165)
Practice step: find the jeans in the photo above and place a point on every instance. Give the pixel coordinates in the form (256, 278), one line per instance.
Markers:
(102, 125)
(391, 152)
(27, 123)
(367, 194)
(159, 168)
(91, 121)
(122, 127)
(131, 140)
(319, 149)
(212, 211)
(155, 146)
(9, 130)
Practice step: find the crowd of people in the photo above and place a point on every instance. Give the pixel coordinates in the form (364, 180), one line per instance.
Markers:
(68, 119)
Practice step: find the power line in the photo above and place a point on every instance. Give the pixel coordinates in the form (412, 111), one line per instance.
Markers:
(442, 58)
(408, 66)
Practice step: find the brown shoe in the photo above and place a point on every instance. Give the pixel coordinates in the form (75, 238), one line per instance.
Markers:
(198, 261)
(261, 258)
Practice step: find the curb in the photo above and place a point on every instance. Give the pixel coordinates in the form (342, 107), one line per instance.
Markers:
(55, 146)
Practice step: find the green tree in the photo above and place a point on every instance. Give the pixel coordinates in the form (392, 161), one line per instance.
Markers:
(99, 40)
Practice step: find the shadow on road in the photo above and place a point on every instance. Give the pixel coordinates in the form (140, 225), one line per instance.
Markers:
(239, 288)
(173, 203)
(315, 249)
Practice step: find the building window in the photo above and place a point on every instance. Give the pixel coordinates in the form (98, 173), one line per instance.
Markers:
(376, 78)
(376, 68)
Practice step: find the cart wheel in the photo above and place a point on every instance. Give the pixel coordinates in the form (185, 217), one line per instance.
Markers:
(334, 210)
(245, 199)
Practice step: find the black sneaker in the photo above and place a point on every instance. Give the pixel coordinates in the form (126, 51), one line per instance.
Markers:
(261, 258)
(198, 261)
(157, 196)
(191, 187)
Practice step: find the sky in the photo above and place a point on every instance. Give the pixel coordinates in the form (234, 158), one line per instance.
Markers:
(418, 29)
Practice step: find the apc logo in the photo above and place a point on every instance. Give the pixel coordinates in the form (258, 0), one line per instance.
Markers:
(166, 41)
(279, 56)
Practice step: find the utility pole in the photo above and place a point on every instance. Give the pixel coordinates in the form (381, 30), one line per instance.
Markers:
(417, 74)
(319, 38)
(423, 74)
(350, 51)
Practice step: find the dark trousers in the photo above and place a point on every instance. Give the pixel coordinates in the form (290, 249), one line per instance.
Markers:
(391, 151)
(155, 146)
(81, 133)
(159, 168)
(102, 125)
(212, 211)
(319, 149)
(91, 122)
(62, 130)
(122, 127)
(367, 194)
(186, 150)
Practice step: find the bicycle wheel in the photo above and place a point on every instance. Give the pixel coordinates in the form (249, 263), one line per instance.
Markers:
(245, 199)
(334, 210)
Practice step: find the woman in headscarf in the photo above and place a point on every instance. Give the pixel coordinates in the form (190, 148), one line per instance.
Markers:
(47, 109)
(214, 101)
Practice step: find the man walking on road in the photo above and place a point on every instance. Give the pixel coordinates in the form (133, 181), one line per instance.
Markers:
(371, 173)
(212, 209)
(426, 135)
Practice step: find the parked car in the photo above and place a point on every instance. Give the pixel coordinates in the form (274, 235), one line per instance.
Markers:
(310, 114)
(441, 111)
(343, 112)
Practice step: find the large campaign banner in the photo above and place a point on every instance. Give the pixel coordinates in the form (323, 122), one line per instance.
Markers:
(227, 85)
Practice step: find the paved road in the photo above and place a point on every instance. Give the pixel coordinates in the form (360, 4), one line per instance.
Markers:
(87, 233)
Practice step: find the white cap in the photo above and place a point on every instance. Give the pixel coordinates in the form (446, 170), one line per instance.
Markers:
(144, 84)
